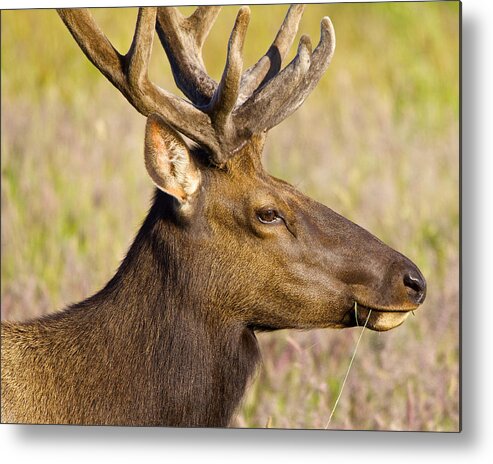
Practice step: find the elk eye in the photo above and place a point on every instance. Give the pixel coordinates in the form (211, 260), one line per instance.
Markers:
(268, 216)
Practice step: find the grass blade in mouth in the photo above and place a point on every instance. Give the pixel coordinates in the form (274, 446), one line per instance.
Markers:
(350, 363)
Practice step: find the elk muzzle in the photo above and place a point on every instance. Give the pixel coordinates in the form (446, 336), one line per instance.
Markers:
(401, 292)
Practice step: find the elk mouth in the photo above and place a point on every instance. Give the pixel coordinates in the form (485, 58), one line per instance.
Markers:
(380, 319)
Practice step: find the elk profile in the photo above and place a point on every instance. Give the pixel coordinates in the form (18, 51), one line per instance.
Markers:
(226, 249)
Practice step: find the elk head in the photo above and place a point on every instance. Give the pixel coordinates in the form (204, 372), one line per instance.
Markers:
(272, 258)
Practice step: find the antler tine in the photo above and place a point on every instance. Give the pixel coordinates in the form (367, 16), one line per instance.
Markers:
(277, 110)
(321, 58)
(182, 39)
(202, 20)
(99, 49)
(269, 99)
(226, 95)
(139, 53)
(270, 64)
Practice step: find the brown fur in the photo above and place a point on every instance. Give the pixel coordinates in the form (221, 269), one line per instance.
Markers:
(163, 357)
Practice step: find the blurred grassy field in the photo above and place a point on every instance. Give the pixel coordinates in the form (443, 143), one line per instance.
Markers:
(377, 141)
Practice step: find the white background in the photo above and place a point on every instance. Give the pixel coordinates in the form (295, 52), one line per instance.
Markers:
(120, 445)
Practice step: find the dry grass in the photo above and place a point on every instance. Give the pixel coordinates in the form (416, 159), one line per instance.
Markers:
(377, 141)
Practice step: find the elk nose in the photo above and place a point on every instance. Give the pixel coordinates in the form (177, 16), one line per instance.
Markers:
(415, 285)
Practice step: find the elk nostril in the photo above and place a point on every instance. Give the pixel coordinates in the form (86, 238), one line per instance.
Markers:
(416, 286)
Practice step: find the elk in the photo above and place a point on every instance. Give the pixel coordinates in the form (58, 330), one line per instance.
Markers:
(225, 251)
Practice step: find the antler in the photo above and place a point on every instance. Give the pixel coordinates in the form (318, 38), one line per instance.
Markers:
(128, 73)
(222, 116)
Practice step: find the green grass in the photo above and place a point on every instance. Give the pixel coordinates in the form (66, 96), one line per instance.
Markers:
(377, 141)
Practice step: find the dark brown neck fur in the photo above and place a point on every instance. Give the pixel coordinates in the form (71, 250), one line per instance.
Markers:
(149, 350)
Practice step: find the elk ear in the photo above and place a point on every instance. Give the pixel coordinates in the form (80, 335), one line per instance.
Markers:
(168, 160)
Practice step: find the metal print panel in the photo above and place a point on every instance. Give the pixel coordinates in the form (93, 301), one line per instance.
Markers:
(298, 265)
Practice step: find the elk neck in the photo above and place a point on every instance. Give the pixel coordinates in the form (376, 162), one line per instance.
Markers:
(197, 362)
